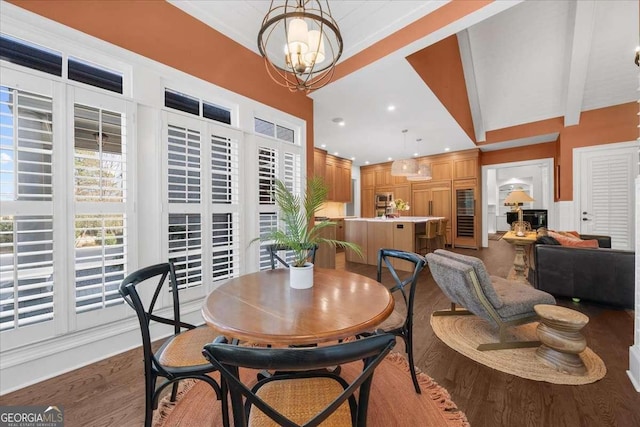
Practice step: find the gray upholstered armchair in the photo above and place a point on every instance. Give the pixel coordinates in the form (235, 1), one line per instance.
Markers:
(503, 303)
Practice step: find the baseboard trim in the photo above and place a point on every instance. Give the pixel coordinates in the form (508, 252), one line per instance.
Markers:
(634, 366)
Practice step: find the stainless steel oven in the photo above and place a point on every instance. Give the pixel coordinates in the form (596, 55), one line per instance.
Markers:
(382, 201)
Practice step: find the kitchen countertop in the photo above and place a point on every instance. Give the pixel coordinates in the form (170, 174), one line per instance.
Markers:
(401, 219)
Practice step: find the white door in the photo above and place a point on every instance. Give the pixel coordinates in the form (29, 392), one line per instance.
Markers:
(606, 192)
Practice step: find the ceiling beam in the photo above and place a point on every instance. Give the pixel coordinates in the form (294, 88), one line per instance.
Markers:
(470, 81)
(582, 16)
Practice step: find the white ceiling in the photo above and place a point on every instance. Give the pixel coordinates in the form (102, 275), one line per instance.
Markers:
(524, 62)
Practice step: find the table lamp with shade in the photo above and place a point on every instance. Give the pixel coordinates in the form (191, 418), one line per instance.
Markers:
(517, 197)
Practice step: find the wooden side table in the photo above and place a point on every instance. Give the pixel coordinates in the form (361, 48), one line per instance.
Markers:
(562, 342)
(520, 263)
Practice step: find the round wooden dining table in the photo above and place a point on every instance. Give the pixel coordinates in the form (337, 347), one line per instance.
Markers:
(262, 308)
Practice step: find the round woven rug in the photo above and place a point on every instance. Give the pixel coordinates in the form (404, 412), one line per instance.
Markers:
(465, 332)
(393, 401)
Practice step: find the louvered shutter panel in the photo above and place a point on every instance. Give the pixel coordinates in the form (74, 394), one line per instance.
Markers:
(291, 174)
(100, 260)
(26, 230)
(99, 155)
(267, 174)
(26, 145)
(184, 165)
(268, 221)
(610, 204)
(224, 170)
(185, 248)
(26, 270)
(100, 224)
(225, 243)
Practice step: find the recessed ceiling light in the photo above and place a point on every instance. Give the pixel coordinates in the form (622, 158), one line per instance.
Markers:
(353, 158)
(335, 153)
(367, 162)
(447, 149)
(389, 158)
(323, 145)
(339, 121)
(418, 139)
(391, 107)
(415, 154)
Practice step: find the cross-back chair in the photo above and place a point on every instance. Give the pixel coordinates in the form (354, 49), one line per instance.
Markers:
(180, 356)
(275, 258)
(400, 323)
(303, 393)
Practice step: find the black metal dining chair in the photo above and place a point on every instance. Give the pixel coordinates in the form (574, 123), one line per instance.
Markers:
(275, 258)
(303, 392)
(400, 323)
(180, 356)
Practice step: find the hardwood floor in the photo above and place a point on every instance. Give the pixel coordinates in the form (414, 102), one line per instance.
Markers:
(110, 392)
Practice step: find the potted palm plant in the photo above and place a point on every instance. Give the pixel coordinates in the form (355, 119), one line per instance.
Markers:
(300, 231)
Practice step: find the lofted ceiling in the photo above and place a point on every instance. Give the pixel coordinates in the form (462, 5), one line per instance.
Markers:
(523, 62)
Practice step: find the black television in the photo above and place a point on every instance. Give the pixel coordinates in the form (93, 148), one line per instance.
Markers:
(536, 217)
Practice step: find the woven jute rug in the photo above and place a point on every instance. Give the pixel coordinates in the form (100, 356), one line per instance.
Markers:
(393, 401)
(463, 333)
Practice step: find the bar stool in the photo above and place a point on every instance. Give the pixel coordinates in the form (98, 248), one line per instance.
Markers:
(442, 233)
(431, 236)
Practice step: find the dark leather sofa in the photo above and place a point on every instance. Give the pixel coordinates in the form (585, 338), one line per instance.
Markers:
(602, 275)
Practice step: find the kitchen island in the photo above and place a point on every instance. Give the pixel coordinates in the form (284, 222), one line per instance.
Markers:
(392, 233)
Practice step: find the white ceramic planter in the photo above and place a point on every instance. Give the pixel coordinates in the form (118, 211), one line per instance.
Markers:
(301, 277)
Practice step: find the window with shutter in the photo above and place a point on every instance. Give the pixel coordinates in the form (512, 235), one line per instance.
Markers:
(268, 221)
(26, 211)
(100, 196)
(184, 165)
(185, 248)
(267, 174)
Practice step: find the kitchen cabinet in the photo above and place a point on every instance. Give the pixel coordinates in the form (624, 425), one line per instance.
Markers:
(466, 216)
(326, 253)
(380, 235)
(319, 162)
(339, 228)
(367, 198)
(432, 199)
(403, 192)
(367, 178)
(356, 232)
(337, 176)
(383, 176)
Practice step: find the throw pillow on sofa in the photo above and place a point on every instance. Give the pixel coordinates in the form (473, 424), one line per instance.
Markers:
(567, 239)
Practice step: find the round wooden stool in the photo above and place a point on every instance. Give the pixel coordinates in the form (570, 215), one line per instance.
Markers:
(562, 341)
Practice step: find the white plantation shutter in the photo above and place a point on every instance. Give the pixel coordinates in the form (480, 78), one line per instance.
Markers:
(100, 259)
(225, 196)
(100, 193)
(185, 248)
(610, 202)
(268, 221)
(26, 220)
(225, 241)
(26, 270)
(291, 173)
(224, 170)
(184, 165)
(100, 157)
(26, 139)
(267, 174)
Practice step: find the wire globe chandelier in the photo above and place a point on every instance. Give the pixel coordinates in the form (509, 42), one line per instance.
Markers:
(301, 43)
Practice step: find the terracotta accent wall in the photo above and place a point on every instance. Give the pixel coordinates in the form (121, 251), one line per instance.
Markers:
(518, 154)
(440, 18)
(440, 66)
(166, 34)
(542, 127)
(602, 126)
(597, 127)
